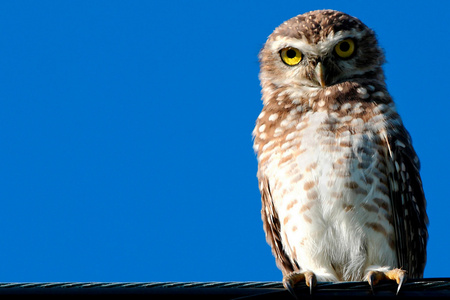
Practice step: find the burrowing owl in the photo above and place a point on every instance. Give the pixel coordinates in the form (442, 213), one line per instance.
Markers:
(342, 197)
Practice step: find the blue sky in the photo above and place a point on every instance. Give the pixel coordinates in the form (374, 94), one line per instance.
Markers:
(125, 129)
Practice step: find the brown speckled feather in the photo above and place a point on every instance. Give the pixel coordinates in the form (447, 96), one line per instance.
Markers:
(408, 201)
(271, 224)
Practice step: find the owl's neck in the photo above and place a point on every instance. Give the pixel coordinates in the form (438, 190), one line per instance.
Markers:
(319, 98)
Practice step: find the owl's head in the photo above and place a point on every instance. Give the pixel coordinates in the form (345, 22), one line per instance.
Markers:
(319, 49)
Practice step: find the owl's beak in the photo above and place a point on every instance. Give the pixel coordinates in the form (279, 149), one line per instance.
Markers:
(320, 74)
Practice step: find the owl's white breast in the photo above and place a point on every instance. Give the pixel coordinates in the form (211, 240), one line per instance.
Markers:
(328, 184)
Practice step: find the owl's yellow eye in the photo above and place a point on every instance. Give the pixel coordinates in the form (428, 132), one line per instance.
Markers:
(345, 48)
(291, 56)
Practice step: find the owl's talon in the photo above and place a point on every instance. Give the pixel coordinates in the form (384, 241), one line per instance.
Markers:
(293, 278)
(400, 280)
(288, 286)
(373, 277)
(312, 281)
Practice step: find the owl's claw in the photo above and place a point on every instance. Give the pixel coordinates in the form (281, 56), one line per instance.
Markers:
(400, 281)
(373, 277)
(312, 282)
(291, 279)
(288, 285)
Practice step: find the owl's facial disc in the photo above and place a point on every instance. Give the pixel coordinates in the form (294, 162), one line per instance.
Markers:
(343, 56)
(315, 65)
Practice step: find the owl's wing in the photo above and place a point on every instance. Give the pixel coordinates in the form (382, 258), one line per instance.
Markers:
(408, 202)
(271, 224)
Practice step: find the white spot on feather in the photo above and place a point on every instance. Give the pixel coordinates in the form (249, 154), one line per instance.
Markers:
(262, 128)
(378, 94)
(261, 115)
(273, 117)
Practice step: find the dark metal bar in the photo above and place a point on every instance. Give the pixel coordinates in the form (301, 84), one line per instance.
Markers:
(430, 288)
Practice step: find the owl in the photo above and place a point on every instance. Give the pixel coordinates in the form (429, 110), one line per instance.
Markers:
(342, 198)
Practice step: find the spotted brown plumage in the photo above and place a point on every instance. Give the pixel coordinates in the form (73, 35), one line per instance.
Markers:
(342, 198)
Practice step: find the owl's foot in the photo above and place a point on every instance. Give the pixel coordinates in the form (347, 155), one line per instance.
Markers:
(373, 277)
(291, 279)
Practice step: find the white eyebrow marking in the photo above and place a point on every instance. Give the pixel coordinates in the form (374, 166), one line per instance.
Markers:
(321, 48)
